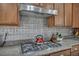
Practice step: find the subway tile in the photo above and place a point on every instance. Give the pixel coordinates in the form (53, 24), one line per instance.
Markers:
(31, 26)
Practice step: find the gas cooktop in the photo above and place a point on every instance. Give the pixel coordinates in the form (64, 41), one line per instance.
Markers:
(32, 47)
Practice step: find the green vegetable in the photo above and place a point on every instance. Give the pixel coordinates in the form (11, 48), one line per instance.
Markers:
(58, 35)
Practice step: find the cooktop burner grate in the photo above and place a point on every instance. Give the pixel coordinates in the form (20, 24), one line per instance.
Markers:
(38, 47)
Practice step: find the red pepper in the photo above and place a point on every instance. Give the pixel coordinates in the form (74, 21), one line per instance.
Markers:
(39, 40)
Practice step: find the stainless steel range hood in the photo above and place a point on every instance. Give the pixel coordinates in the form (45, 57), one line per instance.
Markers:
(31, 10)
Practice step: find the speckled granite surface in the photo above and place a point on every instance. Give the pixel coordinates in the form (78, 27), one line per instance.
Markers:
(10, 51)
(66, 44)
(16, 50)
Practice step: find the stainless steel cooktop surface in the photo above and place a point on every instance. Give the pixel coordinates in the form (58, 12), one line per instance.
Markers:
(32, 47)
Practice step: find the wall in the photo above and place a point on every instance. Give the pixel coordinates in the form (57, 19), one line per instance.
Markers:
(31, 26)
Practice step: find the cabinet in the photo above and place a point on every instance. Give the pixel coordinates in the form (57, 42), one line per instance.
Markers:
(43, 5)
(68, 14)
(64, 17)
(59, 19)
(9, 14)
(60, 53)
(76, 15)
(36, 4)
(75, 53)
(50, 19)
(75, 50)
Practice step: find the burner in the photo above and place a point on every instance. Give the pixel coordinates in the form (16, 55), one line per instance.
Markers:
(38, 47)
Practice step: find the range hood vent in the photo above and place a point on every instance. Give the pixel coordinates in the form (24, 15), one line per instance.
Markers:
(31, 10)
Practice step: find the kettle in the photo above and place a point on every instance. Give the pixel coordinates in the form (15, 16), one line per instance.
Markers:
(39, 39)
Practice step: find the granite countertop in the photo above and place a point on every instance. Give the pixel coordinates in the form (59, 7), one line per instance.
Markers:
(66, 44)
(16, 49)
(10, 50)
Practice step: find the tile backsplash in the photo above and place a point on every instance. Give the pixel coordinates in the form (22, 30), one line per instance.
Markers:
(31, 26)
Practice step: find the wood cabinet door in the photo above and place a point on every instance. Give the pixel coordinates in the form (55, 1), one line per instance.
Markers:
(36, 4)
(9, 14)
(43, 5)
(66, 52)
(76, 15)
(61, 53)
(75, 53)
(59, 19)
(75, 50)
(51, 20)
(68, 14)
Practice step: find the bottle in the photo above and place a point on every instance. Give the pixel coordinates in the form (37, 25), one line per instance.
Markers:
(53, 38)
